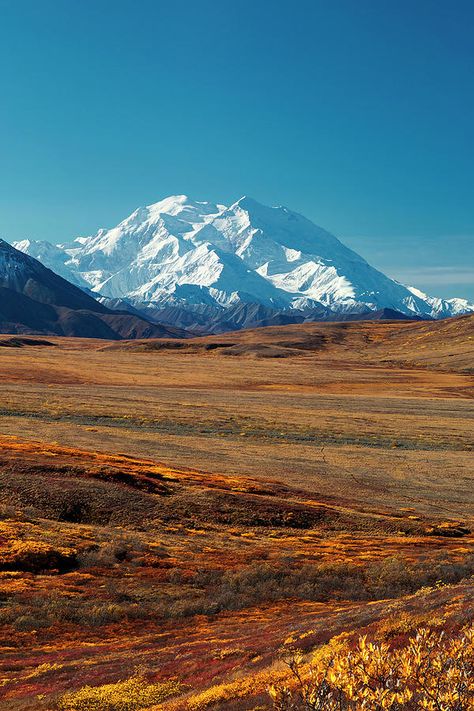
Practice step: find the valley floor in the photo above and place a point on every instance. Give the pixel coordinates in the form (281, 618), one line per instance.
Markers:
(192, 513)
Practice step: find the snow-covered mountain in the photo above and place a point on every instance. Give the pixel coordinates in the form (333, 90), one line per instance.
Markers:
(179, 252)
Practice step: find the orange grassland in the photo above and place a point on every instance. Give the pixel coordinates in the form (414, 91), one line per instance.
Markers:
(186, 511)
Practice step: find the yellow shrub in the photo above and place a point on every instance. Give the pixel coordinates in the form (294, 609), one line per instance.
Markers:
(222, 693)
(129, 695)
(433, 672)
(45, 668)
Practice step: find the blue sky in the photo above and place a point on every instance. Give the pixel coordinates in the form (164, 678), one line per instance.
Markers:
(357, 113)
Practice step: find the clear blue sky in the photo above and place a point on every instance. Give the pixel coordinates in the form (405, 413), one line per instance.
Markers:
(357, 113)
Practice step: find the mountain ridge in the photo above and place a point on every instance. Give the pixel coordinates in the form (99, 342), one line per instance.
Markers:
(36, 300)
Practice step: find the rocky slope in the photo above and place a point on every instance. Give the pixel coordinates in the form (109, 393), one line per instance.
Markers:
(33, 299)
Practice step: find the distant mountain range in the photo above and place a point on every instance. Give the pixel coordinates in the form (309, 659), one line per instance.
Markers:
(202, 319)
(33, 299)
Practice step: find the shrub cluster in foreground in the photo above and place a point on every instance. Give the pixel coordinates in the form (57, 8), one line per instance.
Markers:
(430, 671)
(433, 672)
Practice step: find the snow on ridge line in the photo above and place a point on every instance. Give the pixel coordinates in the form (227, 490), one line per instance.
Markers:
(248, 251)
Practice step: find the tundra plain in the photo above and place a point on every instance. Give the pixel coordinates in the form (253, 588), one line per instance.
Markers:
(183, 511)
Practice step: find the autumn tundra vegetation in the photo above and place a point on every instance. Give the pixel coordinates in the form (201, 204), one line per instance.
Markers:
(283, 520)
(432, 671)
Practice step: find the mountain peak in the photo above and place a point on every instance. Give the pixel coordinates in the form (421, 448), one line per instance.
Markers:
(258, 209)
(177, 250)
(182, 206)
(247, 203)
(171, 200)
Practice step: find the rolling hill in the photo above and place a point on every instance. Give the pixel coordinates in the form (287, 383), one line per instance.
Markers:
(446, 344)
